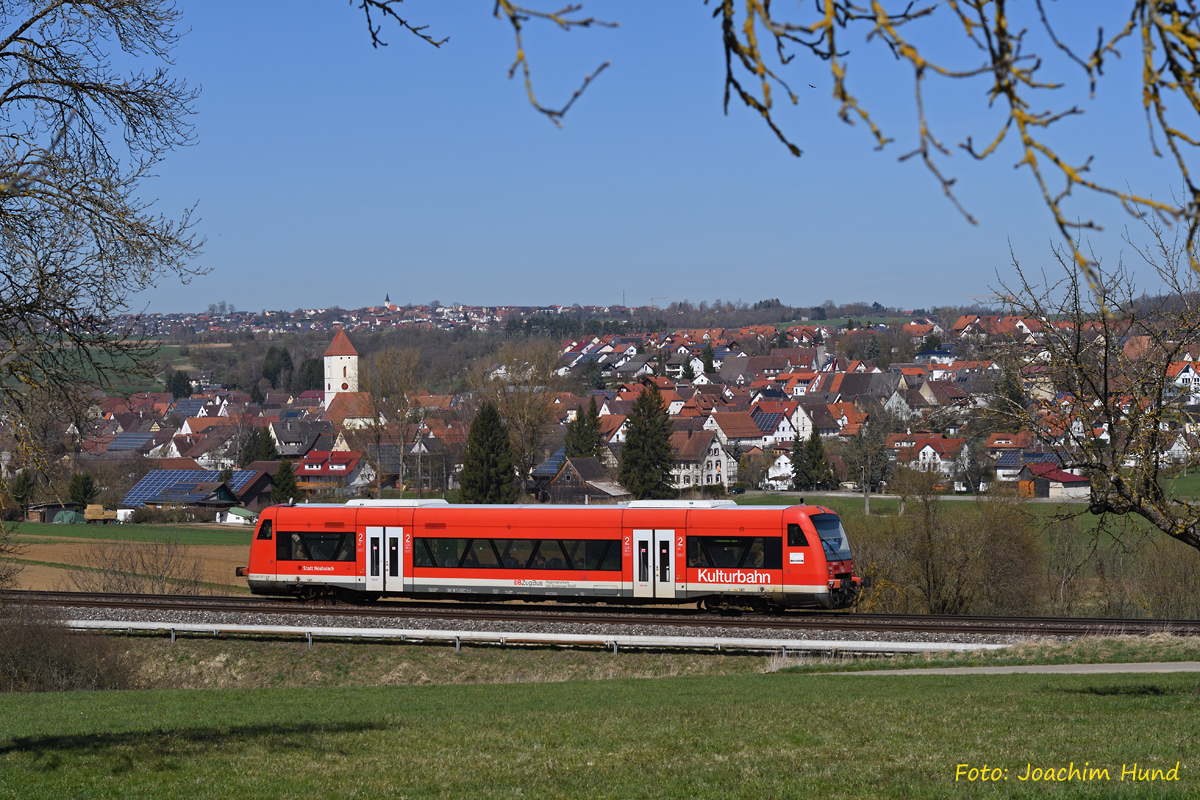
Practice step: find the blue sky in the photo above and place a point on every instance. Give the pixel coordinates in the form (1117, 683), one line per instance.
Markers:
(328, 172)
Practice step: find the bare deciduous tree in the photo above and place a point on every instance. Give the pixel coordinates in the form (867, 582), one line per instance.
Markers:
(77, 140)
(10, 549)
(1100, 387)
(521, 383)
(386, 381)
(1022, 55)
(159, 566)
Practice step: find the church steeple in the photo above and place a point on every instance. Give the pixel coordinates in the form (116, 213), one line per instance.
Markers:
(341, 367)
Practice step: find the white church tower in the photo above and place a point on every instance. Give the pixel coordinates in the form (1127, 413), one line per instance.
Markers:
(341, 367)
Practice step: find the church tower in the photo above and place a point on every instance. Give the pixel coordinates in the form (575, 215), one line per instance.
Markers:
(341, 367)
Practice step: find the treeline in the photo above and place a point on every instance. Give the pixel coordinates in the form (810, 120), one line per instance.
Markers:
(566, 326)
(999, 556)
(719, 314)
(294, 363)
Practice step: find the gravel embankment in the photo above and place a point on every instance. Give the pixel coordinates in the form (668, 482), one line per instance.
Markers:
(640, 627)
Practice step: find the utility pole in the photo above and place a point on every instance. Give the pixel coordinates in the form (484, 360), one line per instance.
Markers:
(866, 490)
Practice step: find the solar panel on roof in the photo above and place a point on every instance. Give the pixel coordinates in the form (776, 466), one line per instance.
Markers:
(188, 407)
(552, 465)
(130, 440)
(161, 482)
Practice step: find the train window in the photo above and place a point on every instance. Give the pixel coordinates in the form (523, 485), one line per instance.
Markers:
(833, 536)
(589, 554)
(796, 536)
(772, 553)
(515, 553)
(612, 557)
(315, 546)
(549, 556)
(480, 553)
(643, 561)
(264, 530)
(394, 557)
(422, 554)
(447, 552)
(576, 553)
(735, 552)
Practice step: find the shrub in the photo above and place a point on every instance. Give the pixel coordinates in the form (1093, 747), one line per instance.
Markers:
(942, 558)
(160, 566)
(40, 654)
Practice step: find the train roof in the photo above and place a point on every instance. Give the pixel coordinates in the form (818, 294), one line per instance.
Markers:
(682, 505)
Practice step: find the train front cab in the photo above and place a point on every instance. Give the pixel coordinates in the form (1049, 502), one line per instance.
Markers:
(818, 565)
(309, 551)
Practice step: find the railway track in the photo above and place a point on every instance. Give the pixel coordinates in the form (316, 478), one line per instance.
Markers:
(590, 614)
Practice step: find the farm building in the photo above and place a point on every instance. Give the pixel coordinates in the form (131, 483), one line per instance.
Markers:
(1051, 481)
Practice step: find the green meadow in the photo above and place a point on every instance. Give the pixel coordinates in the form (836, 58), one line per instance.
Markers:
(743, 736)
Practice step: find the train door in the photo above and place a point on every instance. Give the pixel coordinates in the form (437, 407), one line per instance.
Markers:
(664, 563)
(374, 556)
(393, 562)
(643, 563)
(795, 571)
(653, 563)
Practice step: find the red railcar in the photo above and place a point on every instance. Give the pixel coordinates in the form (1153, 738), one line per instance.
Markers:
(643, 552)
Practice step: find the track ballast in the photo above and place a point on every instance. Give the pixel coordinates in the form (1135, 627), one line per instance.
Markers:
(519, 611)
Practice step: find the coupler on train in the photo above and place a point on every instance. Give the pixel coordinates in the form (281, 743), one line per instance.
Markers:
(844, 591)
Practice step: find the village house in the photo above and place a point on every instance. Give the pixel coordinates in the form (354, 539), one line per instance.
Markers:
(699, 459)
(333, 470)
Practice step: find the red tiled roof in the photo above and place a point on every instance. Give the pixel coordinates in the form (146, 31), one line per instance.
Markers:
(340, 346)
(737, 425)
(1053, 472)
(349, 405)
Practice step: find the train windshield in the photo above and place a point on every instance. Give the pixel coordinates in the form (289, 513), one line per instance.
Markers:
(833, 536)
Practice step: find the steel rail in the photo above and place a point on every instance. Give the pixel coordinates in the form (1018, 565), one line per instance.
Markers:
(575, 613)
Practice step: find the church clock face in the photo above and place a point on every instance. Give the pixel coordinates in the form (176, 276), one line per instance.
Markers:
(345, 386)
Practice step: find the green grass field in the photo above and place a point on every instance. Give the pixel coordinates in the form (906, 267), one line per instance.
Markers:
(779, 735)
(187, 534)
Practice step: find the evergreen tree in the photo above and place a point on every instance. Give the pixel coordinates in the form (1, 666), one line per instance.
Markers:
(707, 356)
(646, 457)
(226, 476)
(689, 374)
(21, 489)
(583, 433)
(278, 362)
(82, 489)
(1011, 393)
(284, 487)
(799, 467)
(310, 376)
(810, 468)
(488, 473)
(259, 446)
(931, 342)
(178, 384)
(256, 395)
(871, 351)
